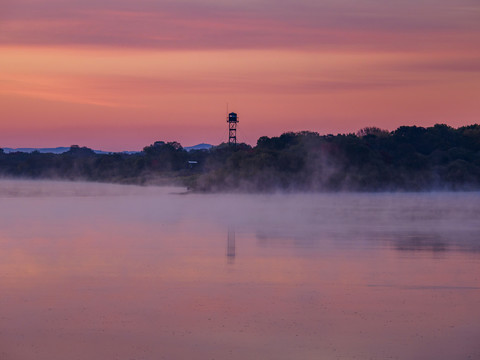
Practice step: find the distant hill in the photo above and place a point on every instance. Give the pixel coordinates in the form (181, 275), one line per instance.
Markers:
(201, 146)
(57, 150)
(62, 149)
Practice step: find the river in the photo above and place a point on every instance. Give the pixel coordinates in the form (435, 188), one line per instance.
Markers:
(97, 271)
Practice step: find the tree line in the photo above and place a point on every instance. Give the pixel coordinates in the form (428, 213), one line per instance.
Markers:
(410, 158)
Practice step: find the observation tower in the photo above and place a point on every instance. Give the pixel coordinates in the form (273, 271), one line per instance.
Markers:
(232, 121)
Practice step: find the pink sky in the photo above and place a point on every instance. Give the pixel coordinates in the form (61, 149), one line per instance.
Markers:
(118, 75)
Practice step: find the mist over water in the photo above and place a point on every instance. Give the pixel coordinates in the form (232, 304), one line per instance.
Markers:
(103, 271)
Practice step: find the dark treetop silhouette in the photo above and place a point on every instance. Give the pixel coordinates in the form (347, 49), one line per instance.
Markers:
(410, 158)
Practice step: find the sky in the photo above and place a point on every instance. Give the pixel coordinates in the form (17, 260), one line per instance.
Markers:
(121, 74)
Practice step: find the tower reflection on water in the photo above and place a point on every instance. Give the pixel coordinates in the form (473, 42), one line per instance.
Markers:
(231, 245)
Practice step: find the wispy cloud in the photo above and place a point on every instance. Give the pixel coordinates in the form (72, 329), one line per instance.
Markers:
(365, 24)
(56, 89)
(441, 65)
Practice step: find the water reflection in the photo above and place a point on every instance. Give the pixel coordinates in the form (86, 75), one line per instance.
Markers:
(142, 275)
(421, 243)
(404, 241)
(231, 245)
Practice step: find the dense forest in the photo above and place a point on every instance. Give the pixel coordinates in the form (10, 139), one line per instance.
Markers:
(410, 158)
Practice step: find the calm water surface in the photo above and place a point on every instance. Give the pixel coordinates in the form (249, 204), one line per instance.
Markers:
(91, 271)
